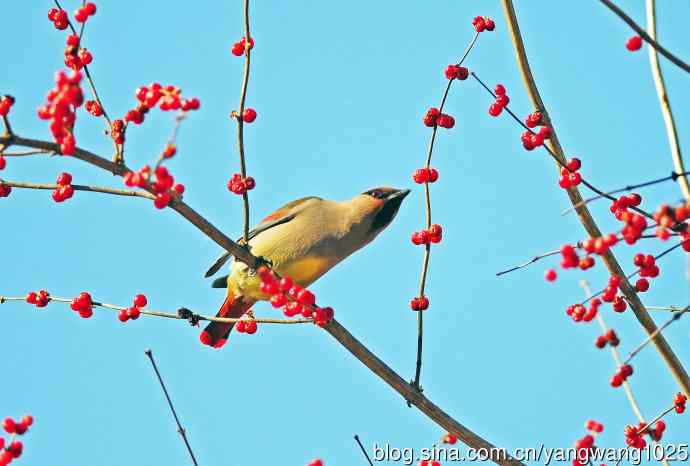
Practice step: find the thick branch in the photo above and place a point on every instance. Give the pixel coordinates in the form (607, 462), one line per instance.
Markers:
(410, 393)
(662, 346)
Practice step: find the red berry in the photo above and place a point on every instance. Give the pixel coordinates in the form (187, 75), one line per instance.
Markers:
(430, 117)
(85, 56)
(479, 24)
(550, 275)
(445, 121)
(122, 316)
(499, 89)
(64, 179)
(306, 298)
(162, 200)
(435, 233)
(573, 164)
(642, 285)
(433, 175)
(634, 43)
(489, 23)
(169, 151)
(237, 49)
(9, 425)
(502, 100)
(619, 304)
(249, 115)
(495, 109)
(250, 327)
(133, 313)
(278, 300)
(616, 380)
(140, 300)
(90, 8)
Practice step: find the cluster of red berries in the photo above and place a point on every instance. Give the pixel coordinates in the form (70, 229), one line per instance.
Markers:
(570, 259)
(420, 303)
(76, 57)
(599, 245)
(434, 117)
(530, 139)
(634, 43)
(6, 102)
(63, 100)
(425, 175)
(93, 107)
(679, 402)
(10, 452)
(580, 313)
(635, 224)
(246, 326)
(83, 305)
(59, 18)
(17, 427)
(64, 190)
(38, 299)
(240, 46)
(570, 176)
(166, 97)
(450, 439)
(621, 375)
(240, 185)
(609, 338)
(433, 234)
(633, 437)
(456, 72)
(293, 298)
(83, 13)
(648, 268)
(501, 101)
(163, 186)
(610, 294)
(668, 217)
(133, 312)
(482, 24)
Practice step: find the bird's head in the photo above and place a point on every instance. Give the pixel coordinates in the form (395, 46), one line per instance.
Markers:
(379, 206)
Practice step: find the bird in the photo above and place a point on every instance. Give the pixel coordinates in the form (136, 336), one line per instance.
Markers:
(302, 240)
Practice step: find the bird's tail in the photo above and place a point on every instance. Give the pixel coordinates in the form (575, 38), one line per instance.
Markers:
(216, 333)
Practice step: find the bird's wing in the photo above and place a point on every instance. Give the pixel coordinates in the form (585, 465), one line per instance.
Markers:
(280, 216)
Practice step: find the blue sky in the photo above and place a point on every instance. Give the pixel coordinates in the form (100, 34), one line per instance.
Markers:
(340, 89)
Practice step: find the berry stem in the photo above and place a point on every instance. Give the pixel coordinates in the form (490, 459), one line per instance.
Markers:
(427, 196)
(180, 429)
(647, 38)
(665, 351)
(676, 316)
(79, 187)
(238, 118)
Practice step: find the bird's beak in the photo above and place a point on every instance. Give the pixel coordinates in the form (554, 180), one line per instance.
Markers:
(399, 194)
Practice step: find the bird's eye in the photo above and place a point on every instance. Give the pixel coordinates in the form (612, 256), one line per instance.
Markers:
(376, 193)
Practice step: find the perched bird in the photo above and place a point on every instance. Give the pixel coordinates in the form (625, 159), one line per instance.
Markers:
(303, 240)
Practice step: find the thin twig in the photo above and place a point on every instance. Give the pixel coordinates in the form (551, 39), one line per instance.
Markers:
(189, 315)
(240, 121)
(366, 455)
(667, 354)
(25, 153)
(427, 198)
(676, 316)
(79, 187)
(180, 429)
(647, 38)
(664, 102)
